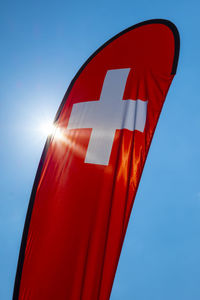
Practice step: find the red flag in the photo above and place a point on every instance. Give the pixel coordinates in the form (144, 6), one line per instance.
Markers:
(91, 166)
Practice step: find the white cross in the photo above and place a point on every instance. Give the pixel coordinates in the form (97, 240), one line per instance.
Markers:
(106, 115)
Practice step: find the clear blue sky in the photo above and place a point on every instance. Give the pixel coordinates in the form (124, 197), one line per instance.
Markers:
(43, 44)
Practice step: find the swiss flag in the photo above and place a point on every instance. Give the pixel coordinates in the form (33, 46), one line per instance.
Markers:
(91, 166)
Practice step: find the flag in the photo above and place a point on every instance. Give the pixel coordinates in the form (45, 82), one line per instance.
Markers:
(91, 166)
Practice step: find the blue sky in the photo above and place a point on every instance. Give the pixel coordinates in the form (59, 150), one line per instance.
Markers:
(43, 44)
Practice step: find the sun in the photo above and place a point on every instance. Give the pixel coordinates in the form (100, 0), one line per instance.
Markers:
(47, 128)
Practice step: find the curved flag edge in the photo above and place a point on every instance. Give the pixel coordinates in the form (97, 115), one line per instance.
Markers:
(175, 32)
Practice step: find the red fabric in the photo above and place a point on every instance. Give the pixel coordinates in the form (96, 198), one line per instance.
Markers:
(81, 210)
